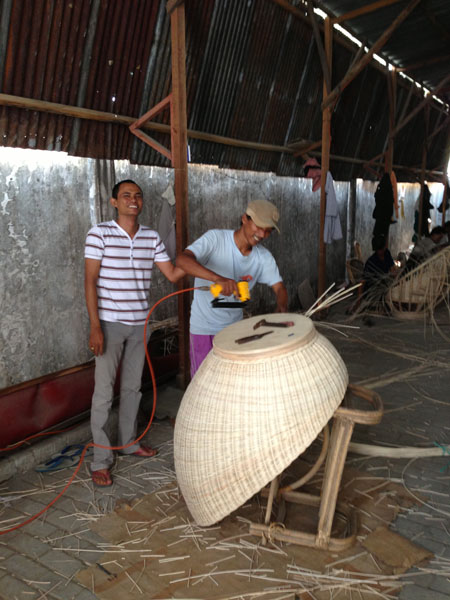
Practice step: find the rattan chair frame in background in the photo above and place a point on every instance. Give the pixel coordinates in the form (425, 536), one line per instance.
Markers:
(415, 294)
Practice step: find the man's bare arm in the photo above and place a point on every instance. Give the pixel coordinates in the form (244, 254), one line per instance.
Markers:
(189, 264)
(281, 296)
(170, 271)
(91, 272)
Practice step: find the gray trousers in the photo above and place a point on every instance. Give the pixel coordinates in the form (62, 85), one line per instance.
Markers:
(126, 342)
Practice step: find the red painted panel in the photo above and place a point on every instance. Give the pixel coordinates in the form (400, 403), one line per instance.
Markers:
(42, 403)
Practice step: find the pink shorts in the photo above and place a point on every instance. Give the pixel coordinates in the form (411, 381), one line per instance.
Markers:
(199, 347)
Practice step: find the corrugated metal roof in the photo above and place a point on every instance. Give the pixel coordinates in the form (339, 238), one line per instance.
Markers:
(253, 73)
(422, 38)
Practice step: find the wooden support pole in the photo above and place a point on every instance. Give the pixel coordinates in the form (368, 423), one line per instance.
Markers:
(422, 176)
(351, 214)
(392, 87)
(356, 69)
(445, 179)
(325, 165)
(179, 162)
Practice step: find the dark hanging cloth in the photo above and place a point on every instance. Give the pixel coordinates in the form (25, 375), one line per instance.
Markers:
(384, 206)
(426, 207)
(441, 205)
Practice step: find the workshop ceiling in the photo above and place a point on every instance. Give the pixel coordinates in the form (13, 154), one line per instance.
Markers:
(420, 46)
(253, 73)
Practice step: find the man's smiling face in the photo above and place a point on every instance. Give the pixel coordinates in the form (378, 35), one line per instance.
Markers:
(254, 234)
(129, 200)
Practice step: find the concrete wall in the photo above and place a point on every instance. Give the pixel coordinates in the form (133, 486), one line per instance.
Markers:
(48, 201)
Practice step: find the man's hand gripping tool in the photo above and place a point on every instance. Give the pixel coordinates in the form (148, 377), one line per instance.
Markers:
(244, 294)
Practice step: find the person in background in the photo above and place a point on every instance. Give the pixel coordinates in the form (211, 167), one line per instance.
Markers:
(446, 239)
(224, 256)
(425, 247)
(119, 258)
(378, 266)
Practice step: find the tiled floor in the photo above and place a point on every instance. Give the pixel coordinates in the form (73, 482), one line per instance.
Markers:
(405, 362)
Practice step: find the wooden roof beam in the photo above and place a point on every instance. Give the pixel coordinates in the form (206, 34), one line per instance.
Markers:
(425, 63)
(364, 10)
(356, 69)
(106, 117)
(320, 48)
(426, 101)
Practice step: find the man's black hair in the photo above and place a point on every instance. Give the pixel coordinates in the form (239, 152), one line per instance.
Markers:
(439, 230)
(115, 190)
(378, 242)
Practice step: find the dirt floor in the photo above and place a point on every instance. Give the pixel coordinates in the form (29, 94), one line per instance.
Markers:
(137, 539)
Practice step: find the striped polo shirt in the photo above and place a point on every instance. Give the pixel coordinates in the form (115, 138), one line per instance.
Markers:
(125, 271)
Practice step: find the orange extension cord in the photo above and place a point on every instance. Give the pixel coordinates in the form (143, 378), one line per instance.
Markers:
(91, 444)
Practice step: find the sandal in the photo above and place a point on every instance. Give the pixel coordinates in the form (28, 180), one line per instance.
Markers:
(144, 452)
(68, 457)
(101, 478)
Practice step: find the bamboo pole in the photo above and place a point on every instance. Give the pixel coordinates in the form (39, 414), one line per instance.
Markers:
(326, 124)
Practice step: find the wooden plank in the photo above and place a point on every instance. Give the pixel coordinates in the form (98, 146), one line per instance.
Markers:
(180, 165)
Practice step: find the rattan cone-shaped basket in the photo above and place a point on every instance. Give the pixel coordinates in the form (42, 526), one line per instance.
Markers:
(251, 409)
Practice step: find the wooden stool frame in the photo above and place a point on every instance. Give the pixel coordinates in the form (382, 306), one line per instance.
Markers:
(344, 420)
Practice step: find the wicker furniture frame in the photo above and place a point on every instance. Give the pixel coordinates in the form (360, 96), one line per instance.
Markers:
(416, 294)
(335, 450)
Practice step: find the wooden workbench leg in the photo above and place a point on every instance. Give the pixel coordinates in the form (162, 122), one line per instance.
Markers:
(340, 438)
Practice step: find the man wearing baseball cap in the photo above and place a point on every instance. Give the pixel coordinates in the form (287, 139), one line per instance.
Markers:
(224, 257)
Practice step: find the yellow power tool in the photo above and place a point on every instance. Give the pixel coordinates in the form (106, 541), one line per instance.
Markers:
(216, 288)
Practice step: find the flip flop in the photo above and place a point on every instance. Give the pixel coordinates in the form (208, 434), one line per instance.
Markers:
(105, 474)
(68, 457)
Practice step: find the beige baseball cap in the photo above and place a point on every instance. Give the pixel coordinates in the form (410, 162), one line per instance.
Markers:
(263, 213)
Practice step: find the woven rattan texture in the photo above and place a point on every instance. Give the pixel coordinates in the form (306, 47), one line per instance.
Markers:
(423, 287)
(241, 424)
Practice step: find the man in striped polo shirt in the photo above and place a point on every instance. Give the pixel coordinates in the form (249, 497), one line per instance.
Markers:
(119, 258)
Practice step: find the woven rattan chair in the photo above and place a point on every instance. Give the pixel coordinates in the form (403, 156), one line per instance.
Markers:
(416, 293)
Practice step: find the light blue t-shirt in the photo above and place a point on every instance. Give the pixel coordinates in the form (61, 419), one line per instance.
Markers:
(216, 250)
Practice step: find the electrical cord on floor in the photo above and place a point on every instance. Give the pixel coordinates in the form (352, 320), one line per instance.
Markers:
(92, 444)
